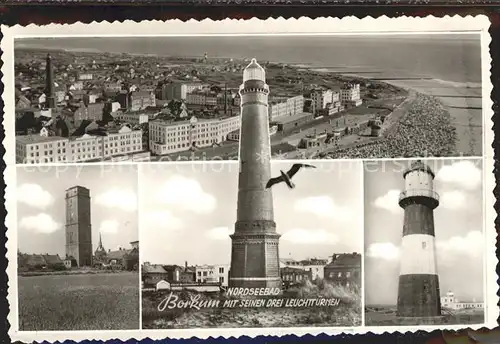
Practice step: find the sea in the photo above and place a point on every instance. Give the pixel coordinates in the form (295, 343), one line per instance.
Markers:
(454, 58)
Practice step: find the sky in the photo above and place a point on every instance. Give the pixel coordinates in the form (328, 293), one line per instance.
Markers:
(458, 227)
(188, 211)
(41, 205)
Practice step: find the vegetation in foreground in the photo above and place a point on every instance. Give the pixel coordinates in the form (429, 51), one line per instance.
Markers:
(79, 302)
(347, 313)
(386, 316)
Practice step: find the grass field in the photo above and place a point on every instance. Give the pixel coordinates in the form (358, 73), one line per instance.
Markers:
(346, 314)
(79, 302)
(386, 316)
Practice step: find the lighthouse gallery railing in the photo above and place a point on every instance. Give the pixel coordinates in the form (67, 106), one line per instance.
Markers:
(418, 192)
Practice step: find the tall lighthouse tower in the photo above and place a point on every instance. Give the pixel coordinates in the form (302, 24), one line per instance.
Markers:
(254, 255)
(418, 294)
(49, 83)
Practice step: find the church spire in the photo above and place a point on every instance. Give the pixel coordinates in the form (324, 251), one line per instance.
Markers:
(100, 248)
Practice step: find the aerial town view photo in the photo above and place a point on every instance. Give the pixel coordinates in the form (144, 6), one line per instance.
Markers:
(78, 248)
(218, 252)
(424, 242)
(179, 98)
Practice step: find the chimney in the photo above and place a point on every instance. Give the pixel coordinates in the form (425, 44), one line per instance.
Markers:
(186, 264)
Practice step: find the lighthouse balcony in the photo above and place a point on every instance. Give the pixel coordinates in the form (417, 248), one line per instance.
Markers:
(420, 196)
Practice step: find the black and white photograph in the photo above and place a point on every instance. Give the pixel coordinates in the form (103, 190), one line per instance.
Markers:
(282, 176)
(287, 254)
(78, 248)
(179, 98)
(424, 242)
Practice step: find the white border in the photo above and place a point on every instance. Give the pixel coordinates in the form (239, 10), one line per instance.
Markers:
(301, 26)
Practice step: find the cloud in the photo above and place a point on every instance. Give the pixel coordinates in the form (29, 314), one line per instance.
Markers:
(109, 226)
(471, 245)
(219, 233)
(310, 236)
(383, 250)
(465, 174)
(187, 194)
(118, 198)
(453, 200)
(41, 223)
(162, 219)
(389, 201)
(34, 196)
(323, 206)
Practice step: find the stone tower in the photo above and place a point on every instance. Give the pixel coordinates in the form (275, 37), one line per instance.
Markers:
(254, 255)
(78, 226)
(49, 83)
(418, 293)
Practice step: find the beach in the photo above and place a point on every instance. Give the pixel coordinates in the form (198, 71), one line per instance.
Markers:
(463, 102)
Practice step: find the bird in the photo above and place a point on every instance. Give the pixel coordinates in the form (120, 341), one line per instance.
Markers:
(287, 177)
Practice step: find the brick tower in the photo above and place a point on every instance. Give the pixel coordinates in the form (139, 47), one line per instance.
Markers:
(254, 255)
(78, 226)
(418, 293)
(49, 83)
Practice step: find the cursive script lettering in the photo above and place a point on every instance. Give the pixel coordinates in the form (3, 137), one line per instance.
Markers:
(172, 301)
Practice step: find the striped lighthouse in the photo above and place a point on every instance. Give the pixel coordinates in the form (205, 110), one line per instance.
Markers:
(418, 292)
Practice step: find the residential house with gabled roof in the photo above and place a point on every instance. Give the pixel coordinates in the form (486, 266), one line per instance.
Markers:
(344, 269)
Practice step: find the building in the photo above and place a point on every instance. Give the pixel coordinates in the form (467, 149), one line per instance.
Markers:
(212, 274)
(344, 269)
(90, 98)
(290, 123)
(151, 274)
(321, 98)
(125, 259)
(418, 291)
(177, 136)
(135, 101)
(254, 252)
(179, 275)
(177, 90)
(234, 135)
(88, 112)
(78, 226)
(37, 149)
(314, 266)
(35, 262)
(351, 94)
(449, 301)
(291, 276)
(199, 97)
(85, 76)
(289, 107)
(134, 118)
(135, 244)
(49, 84)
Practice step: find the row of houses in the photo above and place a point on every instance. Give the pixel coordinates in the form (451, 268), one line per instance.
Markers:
(166, 137)
(42, 148)
(121, 259)
(329, 102)
(343, 269)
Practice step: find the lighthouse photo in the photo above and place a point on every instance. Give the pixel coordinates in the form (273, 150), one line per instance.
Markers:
(213, 232)
(424, 242)
(254, 257)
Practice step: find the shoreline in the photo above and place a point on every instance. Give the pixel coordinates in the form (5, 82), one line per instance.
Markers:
(462, 100)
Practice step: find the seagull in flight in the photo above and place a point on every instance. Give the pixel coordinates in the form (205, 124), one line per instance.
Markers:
(287, 177)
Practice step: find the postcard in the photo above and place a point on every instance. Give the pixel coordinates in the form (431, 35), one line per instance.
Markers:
(254, 177)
